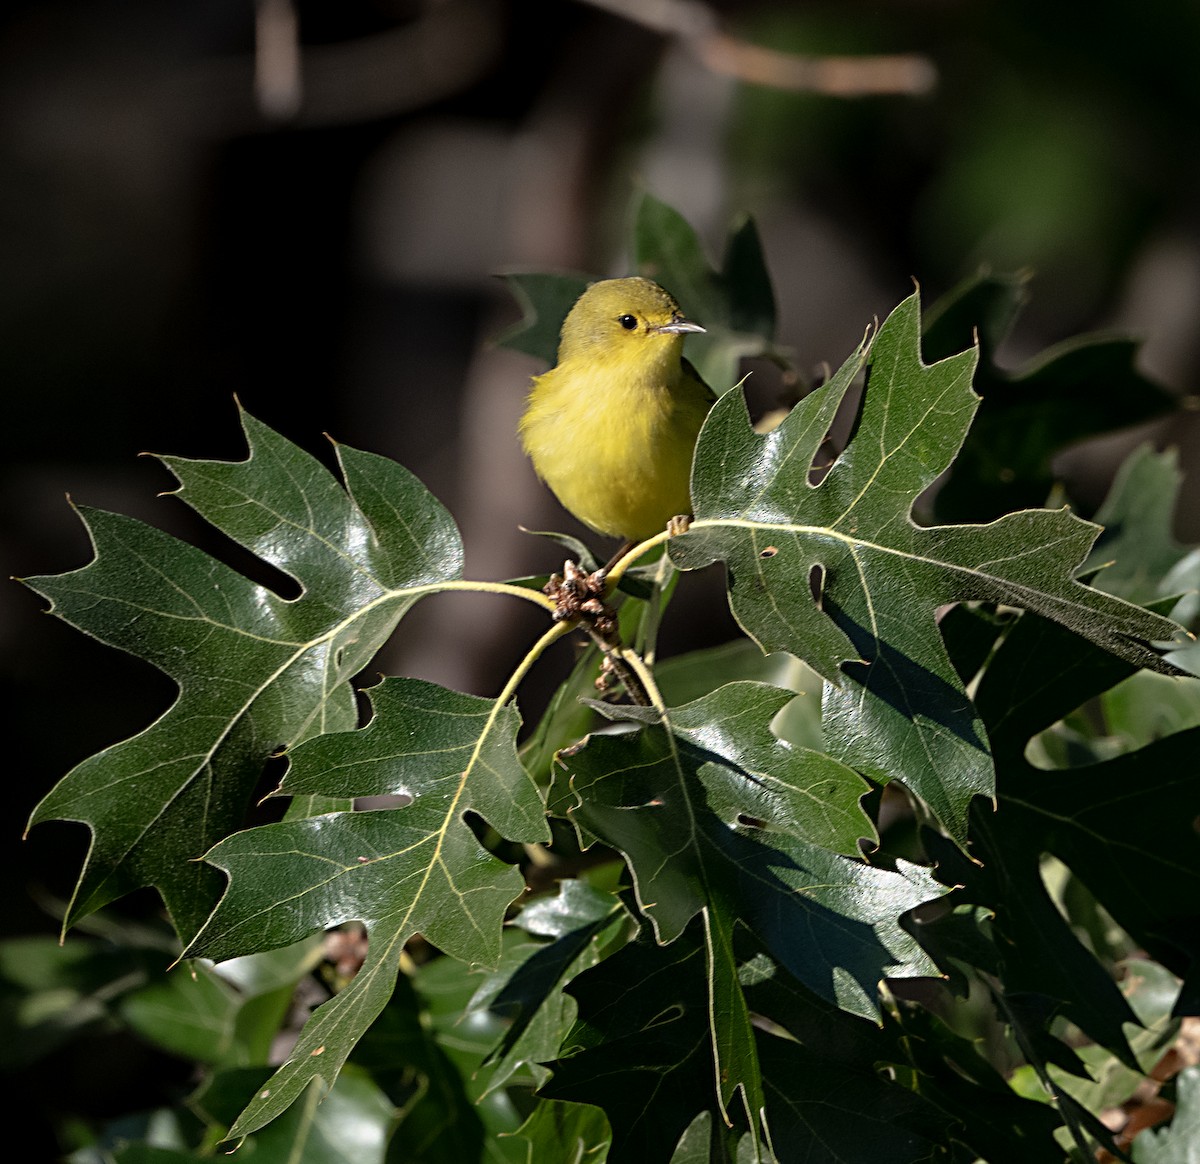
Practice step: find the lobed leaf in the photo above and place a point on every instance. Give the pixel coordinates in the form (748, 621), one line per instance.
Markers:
(527, 988)
(400, 871)
(708, 824)
(837, 572)
(255, 672)
(1074, 390)
(734, 302)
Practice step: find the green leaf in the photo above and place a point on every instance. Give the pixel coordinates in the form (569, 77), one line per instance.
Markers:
(439, 747)
(838, 573)
(979, 1106)
(404, 1056)
(426, 1054)
(686, 677)
(735, 1054)
(1123, 827)
(702, 1143)
(1142, 560)
(132, 1153)
(819, 1111)
(544, 301)
(573, 1133)
(350, 1125)
(51, 992)
(686, 787)
(447, 987)
(189, 1012)
(1074, 390)
(255, 671)
(922, 1075)
(527, 988)
(645, 1050)
(1112, 1083)
(642, 1047)
(752, 775)
(735, 304)
(399, 871)
(226, 1015)
(1042, 962)
(1179, 1143)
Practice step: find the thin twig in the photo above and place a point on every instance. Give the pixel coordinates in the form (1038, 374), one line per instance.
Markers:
(695, 25)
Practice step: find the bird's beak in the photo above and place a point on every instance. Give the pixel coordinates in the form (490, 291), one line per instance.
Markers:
(678, 326)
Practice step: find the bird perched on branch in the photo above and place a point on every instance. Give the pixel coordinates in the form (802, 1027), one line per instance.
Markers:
(612, 427)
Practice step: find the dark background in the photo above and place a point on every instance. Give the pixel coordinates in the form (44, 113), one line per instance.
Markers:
(173, 237)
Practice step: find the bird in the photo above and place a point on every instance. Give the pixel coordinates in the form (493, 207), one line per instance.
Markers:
(612, 427)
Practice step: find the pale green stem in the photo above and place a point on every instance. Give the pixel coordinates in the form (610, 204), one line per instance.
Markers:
(556, 632)
(535, 596)
(618, 570)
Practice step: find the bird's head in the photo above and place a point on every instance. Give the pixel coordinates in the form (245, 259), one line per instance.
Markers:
(626, 319)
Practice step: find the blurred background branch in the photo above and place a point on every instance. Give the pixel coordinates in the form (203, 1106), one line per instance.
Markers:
(697, 25)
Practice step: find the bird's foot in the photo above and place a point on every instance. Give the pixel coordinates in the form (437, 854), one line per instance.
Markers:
(679, 524)
(579, 595)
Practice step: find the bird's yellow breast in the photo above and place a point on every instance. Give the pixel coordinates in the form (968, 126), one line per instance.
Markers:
(614, 439)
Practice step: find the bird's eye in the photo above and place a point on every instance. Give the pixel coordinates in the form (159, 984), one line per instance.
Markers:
(628, 322)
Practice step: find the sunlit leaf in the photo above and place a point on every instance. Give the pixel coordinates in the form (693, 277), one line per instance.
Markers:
(736, 826)
(838, 573)
(255, 671)
(400, 871)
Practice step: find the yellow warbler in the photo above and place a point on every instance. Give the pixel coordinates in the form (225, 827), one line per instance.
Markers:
(611, 428)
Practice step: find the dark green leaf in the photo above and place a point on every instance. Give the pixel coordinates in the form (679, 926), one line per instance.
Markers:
(1179, 1143)
(834, 572)
(684, 678)
(750, 774)
(1137, 546)
(399, 871)
(981, 309)
(189, 1012)
(142, 1153)
(1124, 827)
(820, 1112)
(980, 1106)
(439, 1122)
(735, 304)
(686, 791)
(707, 1143)
(255, 671)
(573, 1133)
(52, 992)
(545, 301)
(1086, 386)
(526, 989)
(350, 1125)
(642, 1048)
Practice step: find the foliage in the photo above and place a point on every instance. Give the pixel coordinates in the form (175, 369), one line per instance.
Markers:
(946, 913)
